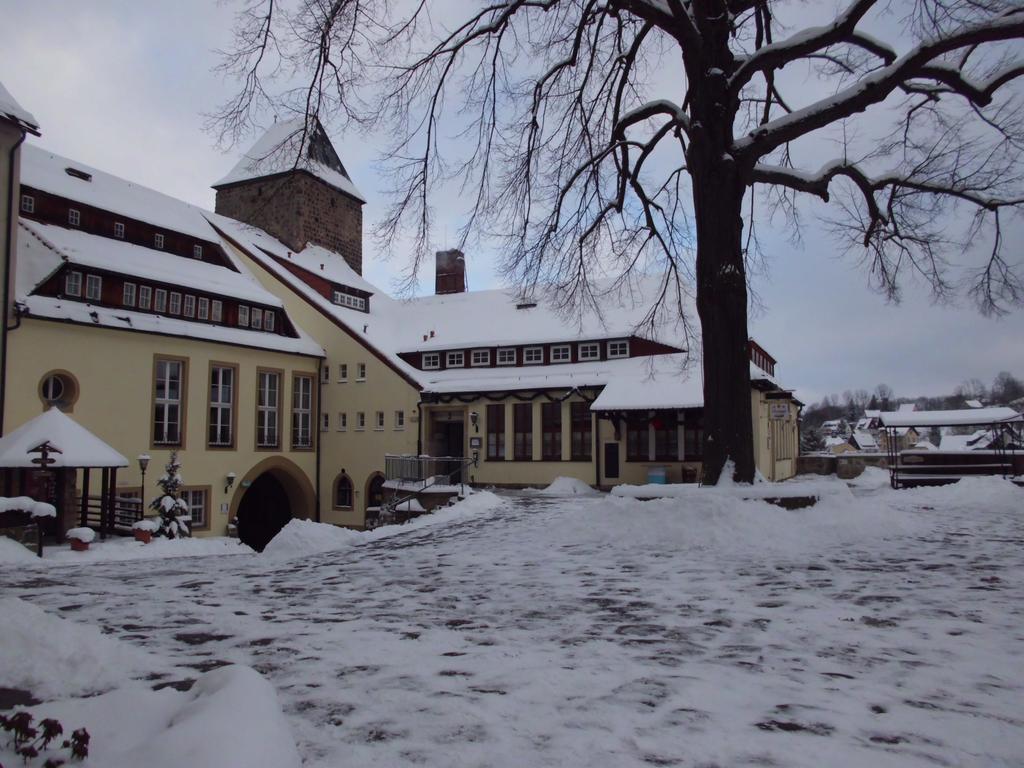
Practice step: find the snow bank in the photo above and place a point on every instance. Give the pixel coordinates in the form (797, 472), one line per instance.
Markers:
(720, 519)
(304, 537)
(118, 548)
(569, 486)
(12, 552)
(230, 717)
(50, 656)
(804, 485)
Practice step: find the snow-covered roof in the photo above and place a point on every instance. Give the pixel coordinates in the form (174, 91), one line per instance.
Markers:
(907, 408)
(865, 440)
(978, 440)
(86, 250)
(833, 441)
(79, 447)
(966, 417)
(974, 404)
(289, 145)
(46, 171)
(13, 111)
(127, 320)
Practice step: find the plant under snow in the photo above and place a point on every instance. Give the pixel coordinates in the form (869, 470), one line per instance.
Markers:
(172, 509)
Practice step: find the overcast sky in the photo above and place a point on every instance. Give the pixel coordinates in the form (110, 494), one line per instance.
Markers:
(123, 86)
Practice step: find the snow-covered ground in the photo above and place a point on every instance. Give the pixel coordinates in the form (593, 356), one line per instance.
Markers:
(882, 628)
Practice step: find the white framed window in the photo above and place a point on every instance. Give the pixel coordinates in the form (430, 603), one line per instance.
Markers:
(269, 320)
(507, 356)
(325, 374)
(533, 355)
(480, 357)
(256, 318)
(562, 353)
(158, 240)
(160, 300)
(399, 419)
(119, 230)
(348, 300)
(128, 295)
(216, 310)
(243, 316)
(455, 359)
(74, 217)
(189, 306)
(360, 371)
(204, 308)
(28, 204)
(197, 251)
(222, 397)
(590, 350)
(618, 349)
(378, 423)
(93, 287)
(302, 411)
(431, 361)
(268, 403)
(73, 284)
(325, 422)
(195, 500)
(174, 305)
(167, 400)
(360, 421)
(342, 421)
(145, 297)
(342, 373)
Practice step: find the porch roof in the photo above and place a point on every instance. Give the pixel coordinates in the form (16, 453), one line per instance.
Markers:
(958, 418)
(79, 448)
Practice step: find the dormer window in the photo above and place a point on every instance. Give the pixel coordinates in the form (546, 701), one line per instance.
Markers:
(175, 303)
(456, 359)
(243, 316)
(216, 310)
(481, 357)
(160, 300)
(348, 300)
(204, 308)
(74, 217)
(158, 241)
(561, 353)
(431, 361)
(533, 355)
(73, 284)
(269, 321)
(119, 230)
(197, 252)
(618, 349)
(93, 287)
(507, 356)
(28, 204)
(189, 308)
(590, 351)
(128, 295)
(256, 319)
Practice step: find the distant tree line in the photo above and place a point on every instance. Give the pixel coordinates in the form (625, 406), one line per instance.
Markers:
(851, 405)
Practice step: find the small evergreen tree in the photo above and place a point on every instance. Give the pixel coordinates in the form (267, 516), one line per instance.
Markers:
(172, 509)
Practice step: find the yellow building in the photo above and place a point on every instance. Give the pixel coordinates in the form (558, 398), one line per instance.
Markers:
(248, 341)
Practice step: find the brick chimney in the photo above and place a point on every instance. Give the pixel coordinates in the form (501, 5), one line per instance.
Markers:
(450, 275)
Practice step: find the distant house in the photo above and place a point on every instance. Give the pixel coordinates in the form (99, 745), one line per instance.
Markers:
(863, 440)
(835, 428)
(836, 445)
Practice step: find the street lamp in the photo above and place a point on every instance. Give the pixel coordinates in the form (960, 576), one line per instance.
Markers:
(143, 463)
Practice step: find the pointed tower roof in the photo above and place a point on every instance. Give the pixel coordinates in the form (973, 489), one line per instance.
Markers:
(293, 145)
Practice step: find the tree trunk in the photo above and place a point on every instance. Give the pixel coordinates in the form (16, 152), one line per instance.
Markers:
(722, 306)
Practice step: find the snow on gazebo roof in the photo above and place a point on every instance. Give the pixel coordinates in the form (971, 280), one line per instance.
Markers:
(957, 418)
(79, 447)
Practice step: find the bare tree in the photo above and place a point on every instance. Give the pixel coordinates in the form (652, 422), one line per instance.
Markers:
(617, 137)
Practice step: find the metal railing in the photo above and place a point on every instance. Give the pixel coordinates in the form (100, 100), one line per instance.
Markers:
(410, 470)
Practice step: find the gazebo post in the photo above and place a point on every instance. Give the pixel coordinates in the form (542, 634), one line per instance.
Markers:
(104, 490)
(85, 497)
(112, 500)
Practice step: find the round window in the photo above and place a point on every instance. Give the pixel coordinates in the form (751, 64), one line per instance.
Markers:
(58, 388)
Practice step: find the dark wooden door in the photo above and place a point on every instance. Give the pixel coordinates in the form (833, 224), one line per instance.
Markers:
(611, 461)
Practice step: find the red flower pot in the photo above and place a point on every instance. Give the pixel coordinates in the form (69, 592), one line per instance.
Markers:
(78, 545)
(144, 536)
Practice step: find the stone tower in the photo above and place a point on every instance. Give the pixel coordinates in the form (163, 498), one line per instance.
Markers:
(293, 185)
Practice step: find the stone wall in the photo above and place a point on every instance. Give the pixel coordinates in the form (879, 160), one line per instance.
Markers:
(846, 466)
(297, 208)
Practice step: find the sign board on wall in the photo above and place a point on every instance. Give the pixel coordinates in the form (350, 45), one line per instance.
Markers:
(778, 411)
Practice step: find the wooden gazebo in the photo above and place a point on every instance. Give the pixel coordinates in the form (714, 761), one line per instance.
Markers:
(41, 459)
(1000, 456)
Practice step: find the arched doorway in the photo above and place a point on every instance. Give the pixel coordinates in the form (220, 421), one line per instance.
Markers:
(374, 498)
(270, 495)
